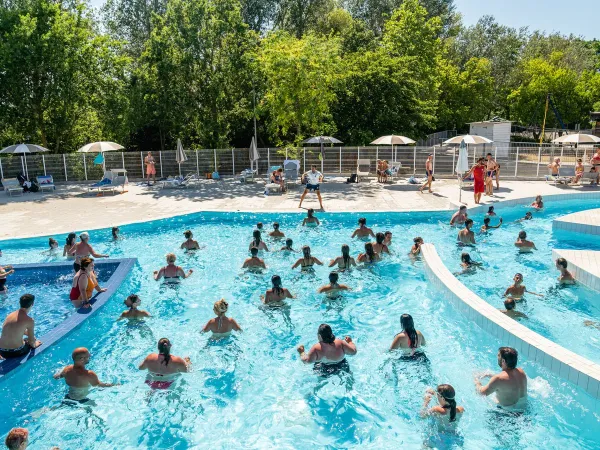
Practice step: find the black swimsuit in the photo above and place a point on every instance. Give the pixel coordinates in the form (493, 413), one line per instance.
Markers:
(328, 369)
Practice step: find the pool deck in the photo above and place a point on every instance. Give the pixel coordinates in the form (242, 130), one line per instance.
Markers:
(70, 207)
(587, 222)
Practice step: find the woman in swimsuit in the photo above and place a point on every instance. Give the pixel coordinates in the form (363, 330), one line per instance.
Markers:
(171, 272)
(70, 243)
(257, 241)
(115, 233)
(538, 203)
(277, 178)
(132, 302)
(277, 293)
(369, 256)
(329, 354)
(310, 219)
(345, 261)
(447, 413)
(53, 245)
(288, 246)
(379, 246)
(415, 250)
(83, 249)
(410, 339)
(163, 367)
(478, 171)
(490, 212)
(189, 243)
(84, 283)
(307, 261)
(467, 264)
(221, 326)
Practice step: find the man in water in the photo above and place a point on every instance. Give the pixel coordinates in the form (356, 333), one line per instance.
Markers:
(17, 439)
(314, 179)
(333, 287)
(79, 378)
(254, 262)
(523, 244)
(466, 236)
(459, 216)
(510, 310)
(565, 276)
(516, 290)
(362, 230)
(18, 324)
(510, 385)
(276, 233)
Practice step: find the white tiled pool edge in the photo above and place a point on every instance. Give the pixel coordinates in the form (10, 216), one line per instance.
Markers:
(583, 264)
(587, 222)
(568, 365)
(528, 200)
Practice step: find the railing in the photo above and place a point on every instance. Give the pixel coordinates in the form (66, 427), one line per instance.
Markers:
(526, 160)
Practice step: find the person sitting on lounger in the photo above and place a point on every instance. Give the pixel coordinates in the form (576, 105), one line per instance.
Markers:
(17, 325)
(277, 178)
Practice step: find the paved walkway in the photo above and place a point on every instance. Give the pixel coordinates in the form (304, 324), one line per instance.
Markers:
(72, 208)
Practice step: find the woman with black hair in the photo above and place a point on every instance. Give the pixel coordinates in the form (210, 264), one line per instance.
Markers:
(115, 233)
(415, 250)
(132, 302)
(257, 241)
(277, 293)
(409, 339)
(163, 367)
(307, 261)
(288, 246)
(190, 243)
(378, 245)
(333, 288)
(68, 250)
(345, 261)
(329, 354)
(310, 220)
(369, 256)
(447, 413)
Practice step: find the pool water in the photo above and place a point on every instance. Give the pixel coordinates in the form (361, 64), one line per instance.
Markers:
(251, 390)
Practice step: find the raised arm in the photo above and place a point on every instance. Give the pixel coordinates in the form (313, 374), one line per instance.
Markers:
(489, 388)
(297, 263)
(348, 346)
(316, 261)
(309, 357)
(96, 255)
(94, 381)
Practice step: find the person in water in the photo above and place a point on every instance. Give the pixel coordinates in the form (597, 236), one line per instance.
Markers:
(171, 273)
(416, 247)
(17, 439)
(83, 249)
(388, 238)
(369, 256)
(189, 243)
(345, 261)
(466, 236)
(5, 271)
(528, 216)
(310, 220)
(84, 283)
(538, 203)
(490, 212)
(288, 246)
(510, 311)
(257, 241)
(115, 233)
(518, 289)
(276, 233)
(363, 230)
(333, 287)
(329, 354)
(17, 325)
(69, 244)
(78, 378)
(447, 413)
(260, 226)
(409, 339)
(221, 325)
(53, 245)
(467, 264)
(163, 367)
(254, 262)
(523, 244)
(133, 302)
(565, 276)
(486, 225)
(277, 293)
(379, 245)
(510, 385)
(307, 261)
(460, 216)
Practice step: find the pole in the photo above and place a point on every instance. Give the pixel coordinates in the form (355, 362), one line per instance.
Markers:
(26, 168)
(22, 166)
(254, 111)
(160, 156)
(142, 159)
(215, 156)
(65, 166)
(415, 160)
(197, 165)
(269, 158)
(44, 164)
(454, 161)
(517, 162)
(84, 167)
(233, 161)
(304, 158)
(544, 122)
(538, 162)
(340, 159)
(433, 168)
(122, 160)
(1, 171)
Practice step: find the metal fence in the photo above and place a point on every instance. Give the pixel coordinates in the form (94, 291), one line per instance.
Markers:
(526, 160)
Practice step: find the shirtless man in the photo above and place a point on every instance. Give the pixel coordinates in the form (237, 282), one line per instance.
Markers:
(510, 310)
(17, 439)
(4, 272)
(189, 243)
(459, 216)
(490, 165)
(388, 238)
(329, 353)
(486, 225)
(254, 262)
(78, 378)
(83, 249)
(362, 230)
(510, 385)
(565, 276)
(17, 325)
(150, 168)
(523, 244)
(276, 233)
(163, 367)
(466, 236)
(333, 287)
(516, 290)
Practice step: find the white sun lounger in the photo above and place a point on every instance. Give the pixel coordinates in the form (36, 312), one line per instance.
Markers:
(45, 182)
(363, 168)
(11, 185)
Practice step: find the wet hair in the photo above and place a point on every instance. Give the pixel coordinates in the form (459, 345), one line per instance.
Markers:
(85, 262)
(486, 221)
(510, 356)
(538, 198)
(522, 234)
(509, 303)
(276, 282)
(289, 242)
(71, 238)
(490, 209)
(254, 251)
(15, 438)
(489, 154)
(579, 160)
(171, 257)
(164, 348)
(114, 231)
(408, 326)
(362, 221)
(333, 277)
(131, 300)
(418, 240)
(259, 226)
(220, 307)
(369, 251)
(528, 214)
(346, 255)
(306, 252)
(462, 207)
(468, 222)
(466, 258)
(447, 393)
(51, 242)
(310, 212)
(379, 237)
(326, 333)
(188, 234)
(256, 238)
(562, 262)
(26, 300)
(276, 226)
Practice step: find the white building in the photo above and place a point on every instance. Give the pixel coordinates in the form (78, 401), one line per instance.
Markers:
(497, 130)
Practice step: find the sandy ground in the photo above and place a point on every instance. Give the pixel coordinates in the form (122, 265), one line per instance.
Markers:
(71, 207)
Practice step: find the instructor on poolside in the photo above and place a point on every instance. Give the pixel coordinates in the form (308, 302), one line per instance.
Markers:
(314, 179)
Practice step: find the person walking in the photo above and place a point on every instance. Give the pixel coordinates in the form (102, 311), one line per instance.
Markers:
(429, 173)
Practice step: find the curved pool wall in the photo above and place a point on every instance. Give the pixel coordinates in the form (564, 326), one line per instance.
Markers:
(568, 365)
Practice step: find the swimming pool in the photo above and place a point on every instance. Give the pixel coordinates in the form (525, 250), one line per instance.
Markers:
(251, 391)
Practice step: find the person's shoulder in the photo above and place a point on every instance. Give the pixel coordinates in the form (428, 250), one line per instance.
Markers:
(438, 410)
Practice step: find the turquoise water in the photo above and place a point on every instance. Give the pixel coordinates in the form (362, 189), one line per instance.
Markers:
(251, 391)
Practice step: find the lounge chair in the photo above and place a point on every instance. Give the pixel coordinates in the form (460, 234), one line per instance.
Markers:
(12, 185)
(45, 182)
(291, 171)
(110, 182)
(175, 182)
(247, 175)
(466, 183)
(592, 177)
(363, 168)
(558, 179)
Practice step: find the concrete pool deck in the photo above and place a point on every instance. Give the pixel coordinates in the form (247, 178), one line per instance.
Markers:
(70, 207)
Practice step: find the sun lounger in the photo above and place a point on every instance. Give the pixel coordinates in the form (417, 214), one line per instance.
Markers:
(558, 179)
(11, 185)
(45, 182)
(110, 181)
(291, 171)
(247, 175)
(363, 168)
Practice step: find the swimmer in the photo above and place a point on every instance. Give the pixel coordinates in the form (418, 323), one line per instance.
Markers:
(53, 245)
(447, 413)
(510, 310)
(333, 287)
(528, 216)
(467, 264)
(254, 262)
(345, 261)
(409, 339)
(510, 385)
(538, 203)
(490, 212)
(379, 246)
(460, 216)
(17, 439)
(189, 243)
(79, 378)
(466, 236)
(257, 241)
(221, 326)
(5, 271)
(288, 246)
(369, 256)
(416, 247)
(276, 233)
(115, 233)
(523, 244)
(591, 323)
(132, 302)
(565, 276)
(307, 261)
(163, 367)
(18, 324)
(362, 230)
(84, 284)
(69, 244)
(486, 225)
(171, 273)
(83, 249)
(277, 293)
(310, 219)
(388, 238)
(517, 289)
(259, 227)
(329, 354)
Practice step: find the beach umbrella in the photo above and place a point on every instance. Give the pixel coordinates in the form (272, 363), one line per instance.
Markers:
(469, 139)
(253, 153)
(577, 139)
(392, 140)
(23, 150)
(180, 155)
(321, 140)
(462, 165)
(100, 147)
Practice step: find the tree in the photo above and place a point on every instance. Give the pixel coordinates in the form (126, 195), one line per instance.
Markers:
(300, 16)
